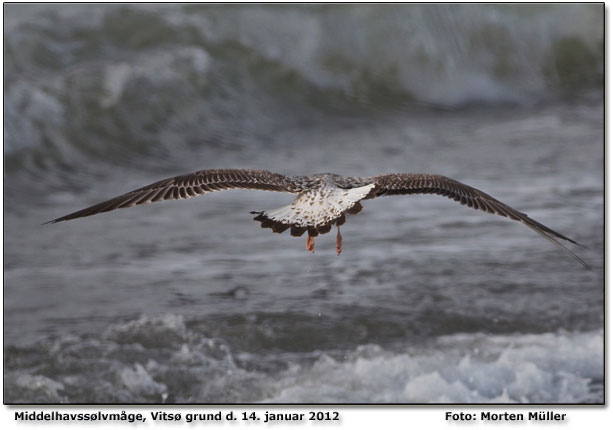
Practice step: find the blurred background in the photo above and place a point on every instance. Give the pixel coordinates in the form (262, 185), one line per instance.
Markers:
(191, 301)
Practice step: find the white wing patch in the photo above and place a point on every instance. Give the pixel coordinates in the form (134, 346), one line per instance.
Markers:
(318, 207)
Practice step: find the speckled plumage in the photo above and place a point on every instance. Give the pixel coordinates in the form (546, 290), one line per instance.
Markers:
(315, 210)
(323, 199)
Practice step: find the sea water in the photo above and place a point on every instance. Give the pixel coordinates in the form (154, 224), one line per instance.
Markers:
(192, 301)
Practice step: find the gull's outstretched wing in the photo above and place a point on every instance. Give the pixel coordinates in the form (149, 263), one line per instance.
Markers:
(192, 185)
(395, 184)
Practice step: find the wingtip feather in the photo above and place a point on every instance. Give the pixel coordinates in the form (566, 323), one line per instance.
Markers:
(562, 247)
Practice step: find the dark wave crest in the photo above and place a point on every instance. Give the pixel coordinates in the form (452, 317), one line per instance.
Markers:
(163, 78)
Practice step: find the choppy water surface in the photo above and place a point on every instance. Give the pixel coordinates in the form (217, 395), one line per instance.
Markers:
(191, 301)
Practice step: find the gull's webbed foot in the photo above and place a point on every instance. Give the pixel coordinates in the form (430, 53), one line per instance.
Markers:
(310, 244)
(339, 242)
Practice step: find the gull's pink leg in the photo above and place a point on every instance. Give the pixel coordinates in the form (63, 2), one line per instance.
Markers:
(310, 245)
(339, 242)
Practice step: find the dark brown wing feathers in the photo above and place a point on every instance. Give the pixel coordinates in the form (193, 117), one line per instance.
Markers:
(192, 185)
(396, 184)
(205, 181)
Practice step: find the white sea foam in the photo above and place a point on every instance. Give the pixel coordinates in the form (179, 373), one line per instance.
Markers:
(460, 368)
(176, 364)
(138, 381)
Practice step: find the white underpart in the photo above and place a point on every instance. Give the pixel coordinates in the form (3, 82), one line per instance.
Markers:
(319, 207)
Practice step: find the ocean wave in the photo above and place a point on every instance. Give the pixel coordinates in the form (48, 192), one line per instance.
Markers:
(84, 74)
(162, 359)
(463, 368)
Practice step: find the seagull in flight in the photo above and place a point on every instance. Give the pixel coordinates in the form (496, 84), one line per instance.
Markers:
(323, 200)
